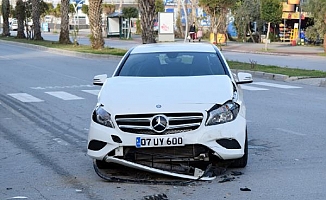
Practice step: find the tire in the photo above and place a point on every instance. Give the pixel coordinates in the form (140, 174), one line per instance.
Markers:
(241, 162)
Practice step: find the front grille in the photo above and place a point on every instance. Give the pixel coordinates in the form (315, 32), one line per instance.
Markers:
(141, 123)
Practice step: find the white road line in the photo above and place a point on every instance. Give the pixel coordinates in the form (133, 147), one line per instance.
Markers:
(64, 95)
(63, 87)
(247, 87)
(289, 131)
(95, 92)
(24, 97)
(275, 85)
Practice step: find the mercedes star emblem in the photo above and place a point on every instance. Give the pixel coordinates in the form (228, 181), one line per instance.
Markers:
(159, 123)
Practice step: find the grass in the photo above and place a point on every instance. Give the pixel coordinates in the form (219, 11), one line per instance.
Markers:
(277, 70)
(233, 64)
(69, 47)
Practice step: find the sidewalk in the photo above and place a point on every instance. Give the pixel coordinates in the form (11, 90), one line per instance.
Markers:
(275, 47)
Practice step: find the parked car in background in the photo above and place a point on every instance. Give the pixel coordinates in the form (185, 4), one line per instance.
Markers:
(13, 25)
(171, 109)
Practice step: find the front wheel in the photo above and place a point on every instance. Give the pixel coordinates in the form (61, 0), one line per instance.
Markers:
(242, 162)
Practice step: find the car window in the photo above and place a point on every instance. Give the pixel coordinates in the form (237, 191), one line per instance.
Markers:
(172, 64)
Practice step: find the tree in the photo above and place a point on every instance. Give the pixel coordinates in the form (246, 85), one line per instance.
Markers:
(64, 30)
(147, 13)
(95, 22)
(108, 8)
(46, 8)
(159, 6)
(129, 12)
(271, 12)
(5, 6)
(318, 9)
(247, 12)
(12, 12)
(84, 9)
(178, 23)
(20, 10)
(217, 10)
(36, 13)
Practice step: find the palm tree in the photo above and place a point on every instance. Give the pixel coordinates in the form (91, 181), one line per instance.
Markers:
(36, 20)
(5, 13)
(20, 10)
(147, 12)
(64, 32)
(95, 22)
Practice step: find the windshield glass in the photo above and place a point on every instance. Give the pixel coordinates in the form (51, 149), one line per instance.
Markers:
(172, 64)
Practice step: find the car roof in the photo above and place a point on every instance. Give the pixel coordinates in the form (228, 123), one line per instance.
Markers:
(174, 47)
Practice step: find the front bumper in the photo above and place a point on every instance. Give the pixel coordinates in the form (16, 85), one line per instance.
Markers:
(110, 140)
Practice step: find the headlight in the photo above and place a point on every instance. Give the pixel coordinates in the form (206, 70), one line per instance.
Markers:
(101, 116)
(220, 114)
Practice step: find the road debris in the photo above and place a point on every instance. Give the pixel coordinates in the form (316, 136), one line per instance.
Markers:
(156, 197)
(245, 189)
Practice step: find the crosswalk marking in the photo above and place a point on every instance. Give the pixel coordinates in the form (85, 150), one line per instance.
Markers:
(275, 85)
(24, 97)
(247, 87)
(64, 95)
(95, 92)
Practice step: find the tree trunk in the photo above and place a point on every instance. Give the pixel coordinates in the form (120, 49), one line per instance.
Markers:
(178, 21)
(147, 12)
(64, 29)
(252, 38)
(267, 35)
(20, 9)
(36, 20)
(5, 14)
(95, 22)
(193, 12)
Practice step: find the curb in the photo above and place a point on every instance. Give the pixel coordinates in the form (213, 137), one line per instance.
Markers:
(320, 82)
(62, 51)
(271, 53)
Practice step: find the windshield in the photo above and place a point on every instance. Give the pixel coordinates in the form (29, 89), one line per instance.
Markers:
(172, 64)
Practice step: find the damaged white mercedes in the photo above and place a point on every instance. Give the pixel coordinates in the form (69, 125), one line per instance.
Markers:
(173, 109)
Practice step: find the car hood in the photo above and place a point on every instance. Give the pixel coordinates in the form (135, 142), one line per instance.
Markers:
(129, 95)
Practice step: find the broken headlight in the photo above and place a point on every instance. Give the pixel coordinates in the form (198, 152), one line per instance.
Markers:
(220, 114)
(101, 116)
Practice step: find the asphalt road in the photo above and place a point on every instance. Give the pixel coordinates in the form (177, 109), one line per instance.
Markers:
(46, 100)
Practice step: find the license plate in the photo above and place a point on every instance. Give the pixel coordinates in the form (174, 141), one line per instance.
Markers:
(159, 142)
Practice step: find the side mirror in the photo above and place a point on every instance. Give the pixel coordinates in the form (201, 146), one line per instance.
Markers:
(100, 79)
(244, 78)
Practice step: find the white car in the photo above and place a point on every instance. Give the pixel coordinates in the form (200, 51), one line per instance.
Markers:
(13, 25)
(172, 109)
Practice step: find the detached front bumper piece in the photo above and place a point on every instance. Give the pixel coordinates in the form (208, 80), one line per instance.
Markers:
(119, 170)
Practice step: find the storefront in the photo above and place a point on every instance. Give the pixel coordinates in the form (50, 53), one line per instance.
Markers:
(291, 22)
